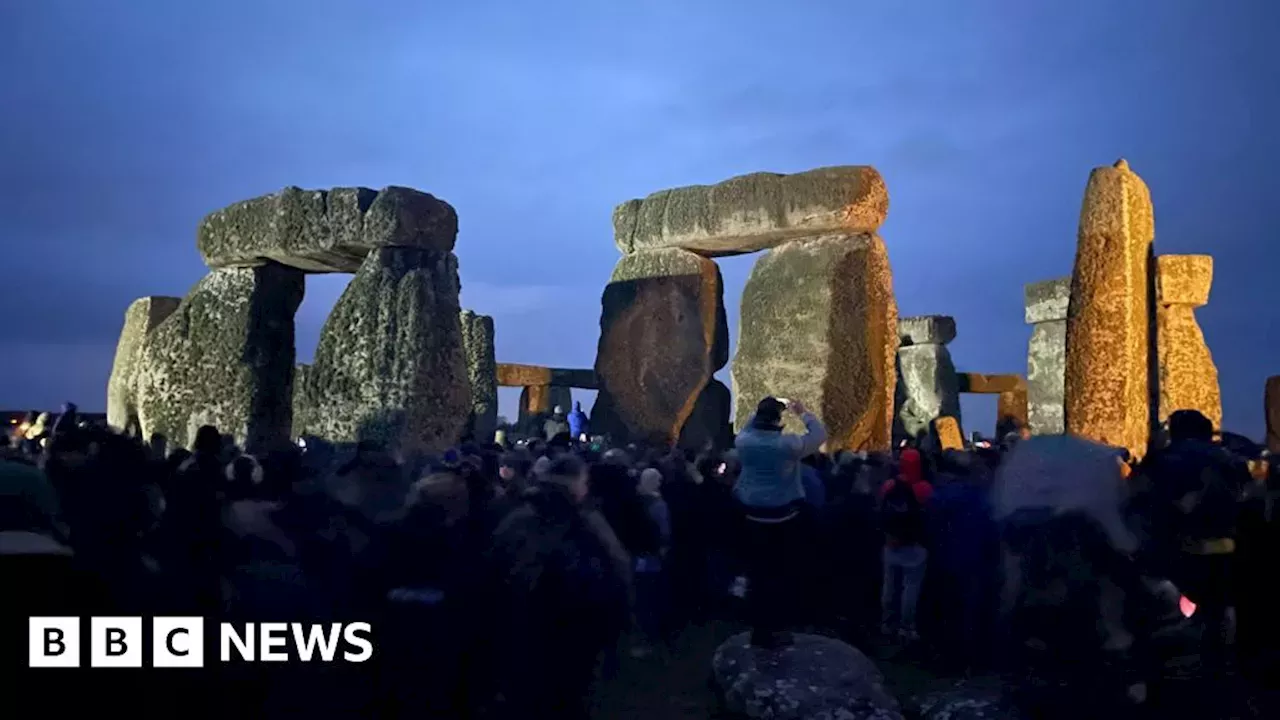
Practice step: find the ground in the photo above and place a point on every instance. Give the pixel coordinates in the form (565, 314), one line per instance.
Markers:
(675, 684)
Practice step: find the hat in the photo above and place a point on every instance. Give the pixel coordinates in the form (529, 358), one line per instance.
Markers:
(769, 413)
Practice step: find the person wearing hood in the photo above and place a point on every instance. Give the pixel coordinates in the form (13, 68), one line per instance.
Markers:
(555, 425)
(902, 502)
(579, 425)
(771, 491)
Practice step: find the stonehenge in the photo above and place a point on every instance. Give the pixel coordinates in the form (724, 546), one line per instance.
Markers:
(393, 364)
(141, 318)
(325, 230)
(1114, 349)
(819, 323)
(927, 382)
(1046, 312)
(482, 373)
(663, 334)
(1188, 378)
(1109, 358)
(224, 357)
(754, 212)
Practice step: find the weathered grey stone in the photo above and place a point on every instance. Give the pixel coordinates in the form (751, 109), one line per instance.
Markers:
(143, 315)
(325, 230)
(754, 212)
(927, 330)
(1048, 300)
(709, 421)
(663, 334)
(477, 340)
(819, 325)
(964, 703)
(224, 358)
(1046, 370)
(390, 366)
(929, 388)
(815, 677)
(300, 372)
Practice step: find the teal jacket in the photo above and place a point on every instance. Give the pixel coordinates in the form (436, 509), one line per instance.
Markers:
(770, 460)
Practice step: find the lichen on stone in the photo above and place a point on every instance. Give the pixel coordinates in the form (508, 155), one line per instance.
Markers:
(477, 341)
(143, 315)
(819, 324)
(754, 212)
(390, 366)
(325, 230)
(1107, 376)
(225, 357)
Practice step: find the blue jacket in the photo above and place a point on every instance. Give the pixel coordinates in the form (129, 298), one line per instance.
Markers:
(577, 421)
(771, 475)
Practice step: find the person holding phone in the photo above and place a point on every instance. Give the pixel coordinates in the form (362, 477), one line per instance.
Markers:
(770, 489)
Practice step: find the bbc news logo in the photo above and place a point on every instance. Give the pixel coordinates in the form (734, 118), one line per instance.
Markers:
(178, 642)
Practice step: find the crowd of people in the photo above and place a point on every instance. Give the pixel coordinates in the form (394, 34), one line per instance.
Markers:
(502, 578)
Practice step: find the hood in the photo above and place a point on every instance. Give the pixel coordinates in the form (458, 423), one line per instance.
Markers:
(910, 468)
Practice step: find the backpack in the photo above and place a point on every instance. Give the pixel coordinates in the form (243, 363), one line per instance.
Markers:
(902, 515)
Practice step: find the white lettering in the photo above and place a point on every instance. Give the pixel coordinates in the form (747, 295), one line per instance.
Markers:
(365, 644)
(316, 636)
(244, 645)
(273, 636)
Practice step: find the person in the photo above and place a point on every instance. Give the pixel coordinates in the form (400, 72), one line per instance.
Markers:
(770, 490)
(564, 583)
(1199, 486)
(579, 425)
(902, 502)
(555, 425)
(68, 420)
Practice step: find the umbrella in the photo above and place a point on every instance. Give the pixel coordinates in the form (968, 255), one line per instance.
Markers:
(1064, 474)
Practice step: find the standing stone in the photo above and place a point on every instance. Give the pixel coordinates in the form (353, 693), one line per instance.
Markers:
(1011, 410)
(224, 358)
(754, 212)
(537, 403)
(709, 421)
(1271, 411)
(143, 315)
(1046, 312)
(482, 363)
(1188, 377)
(1109, 356)
(325, 230)
(663, 334)
(300, 372)
(928, 386)
(390, 366)
(946, 432)
(820, 325)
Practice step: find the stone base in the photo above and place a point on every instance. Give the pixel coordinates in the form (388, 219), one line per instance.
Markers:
(815, 677)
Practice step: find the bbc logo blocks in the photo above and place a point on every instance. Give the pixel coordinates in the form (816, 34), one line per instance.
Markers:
(115, 642)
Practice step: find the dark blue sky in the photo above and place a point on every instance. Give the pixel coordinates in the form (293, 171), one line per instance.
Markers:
(122, 123)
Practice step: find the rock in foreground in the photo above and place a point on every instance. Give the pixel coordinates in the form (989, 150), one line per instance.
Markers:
(816, 677)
